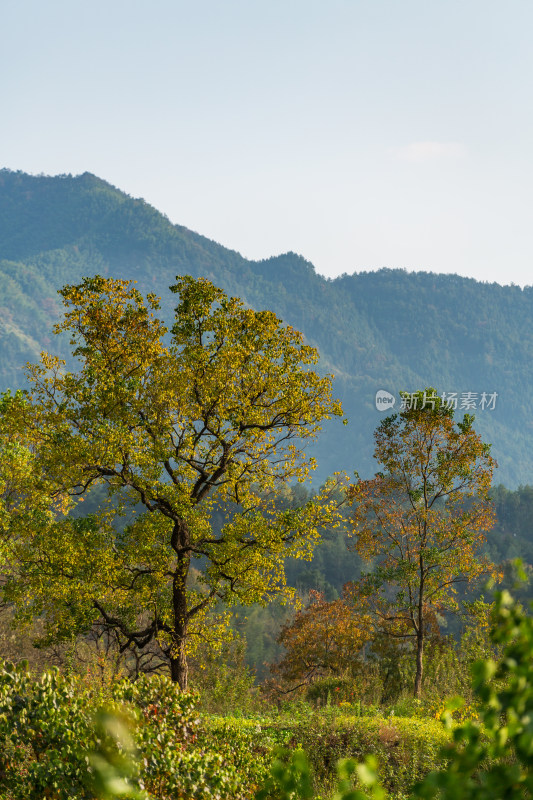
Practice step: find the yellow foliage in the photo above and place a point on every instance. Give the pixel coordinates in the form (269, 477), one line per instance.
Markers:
(198, 426)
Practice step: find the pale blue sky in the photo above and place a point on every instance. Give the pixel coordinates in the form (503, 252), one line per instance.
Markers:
(359, 134)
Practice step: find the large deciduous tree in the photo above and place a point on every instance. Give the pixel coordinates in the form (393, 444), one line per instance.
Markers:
(182, 428)
(422, 520)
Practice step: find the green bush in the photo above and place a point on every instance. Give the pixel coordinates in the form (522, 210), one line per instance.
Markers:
(331, 690)
(165, 724)
(44, 726)
(405, 749)
(247, 746)
(48, 733)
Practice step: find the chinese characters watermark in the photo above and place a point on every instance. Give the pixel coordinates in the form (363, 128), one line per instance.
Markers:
(458, 401)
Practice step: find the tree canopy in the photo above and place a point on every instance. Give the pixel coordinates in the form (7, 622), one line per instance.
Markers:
(183, 428)
(422, 520)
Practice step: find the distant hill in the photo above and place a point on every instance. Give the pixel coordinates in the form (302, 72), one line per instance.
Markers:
(389, 330)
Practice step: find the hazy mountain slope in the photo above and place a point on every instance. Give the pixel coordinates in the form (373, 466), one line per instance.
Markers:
(391, 329)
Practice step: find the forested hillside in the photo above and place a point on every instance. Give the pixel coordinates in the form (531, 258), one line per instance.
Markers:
(389, 330)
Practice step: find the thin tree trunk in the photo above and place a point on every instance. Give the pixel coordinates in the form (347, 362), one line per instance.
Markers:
(419, 662)
(420, 627)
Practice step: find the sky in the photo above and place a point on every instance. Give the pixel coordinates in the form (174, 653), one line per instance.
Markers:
(358, 133)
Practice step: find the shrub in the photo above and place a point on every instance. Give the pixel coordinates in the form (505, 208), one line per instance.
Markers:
(405, 749)
(48, 732)
(44, 725)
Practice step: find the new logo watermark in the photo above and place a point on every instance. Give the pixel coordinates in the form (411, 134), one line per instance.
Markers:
(384, 400)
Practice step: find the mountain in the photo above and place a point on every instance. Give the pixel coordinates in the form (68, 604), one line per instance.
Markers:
(388, 330)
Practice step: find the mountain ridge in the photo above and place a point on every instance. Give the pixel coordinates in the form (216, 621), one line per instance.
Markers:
(390, 329)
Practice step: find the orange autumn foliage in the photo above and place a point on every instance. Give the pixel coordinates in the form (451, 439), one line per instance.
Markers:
(325, 638)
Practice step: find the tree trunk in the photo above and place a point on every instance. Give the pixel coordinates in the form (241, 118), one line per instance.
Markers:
(419, 627)
(419, 662)
(179, 669)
